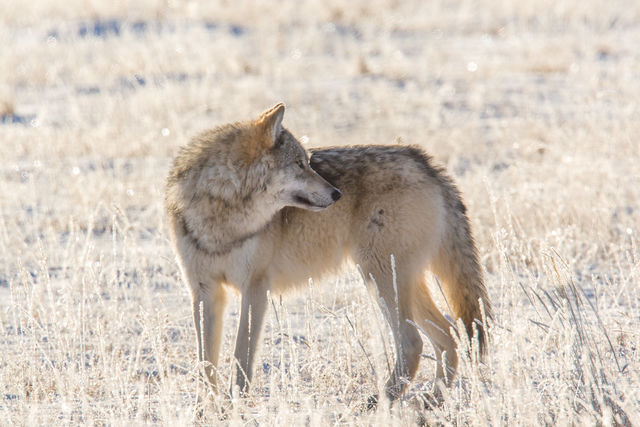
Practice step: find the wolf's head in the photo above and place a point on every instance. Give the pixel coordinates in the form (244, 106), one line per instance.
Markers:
(284, 164)
(257, 164)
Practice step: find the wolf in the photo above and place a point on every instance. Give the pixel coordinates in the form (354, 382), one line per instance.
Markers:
(250, 209)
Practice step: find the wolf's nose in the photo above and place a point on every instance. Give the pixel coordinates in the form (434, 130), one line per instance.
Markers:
(336, 194)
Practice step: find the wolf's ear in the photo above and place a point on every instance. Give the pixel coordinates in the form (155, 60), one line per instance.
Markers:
(271, 122)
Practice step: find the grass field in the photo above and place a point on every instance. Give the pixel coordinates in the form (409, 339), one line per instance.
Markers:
(533, 108)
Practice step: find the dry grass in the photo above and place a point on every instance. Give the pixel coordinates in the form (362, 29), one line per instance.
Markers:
(533, 108)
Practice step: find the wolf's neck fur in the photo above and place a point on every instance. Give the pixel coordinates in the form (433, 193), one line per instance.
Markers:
(220, 249)
(218, 226)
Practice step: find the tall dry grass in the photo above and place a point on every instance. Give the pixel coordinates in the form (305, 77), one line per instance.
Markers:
(533, 108)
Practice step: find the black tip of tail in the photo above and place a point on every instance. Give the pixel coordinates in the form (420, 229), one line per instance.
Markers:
(478, 330)
(372, 403)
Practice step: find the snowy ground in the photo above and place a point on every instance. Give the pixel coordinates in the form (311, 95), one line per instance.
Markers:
(532, 108)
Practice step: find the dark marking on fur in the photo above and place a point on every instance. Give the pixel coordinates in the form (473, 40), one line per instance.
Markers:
(461, 207)
(222, 249)
(324, 168)
(346, 164)
(377, 222)
(377, 219)
(194, 239)
(424, 161)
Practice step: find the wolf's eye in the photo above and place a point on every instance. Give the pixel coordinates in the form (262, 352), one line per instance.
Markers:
(300, 164)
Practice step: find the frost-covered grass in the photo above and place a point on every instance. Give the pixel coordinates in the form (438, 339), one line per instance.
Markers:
(532, 107)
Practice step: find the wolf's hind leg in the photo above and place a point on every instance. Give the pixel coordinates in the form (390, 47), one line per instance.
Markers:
(429, 318)
(397, 310)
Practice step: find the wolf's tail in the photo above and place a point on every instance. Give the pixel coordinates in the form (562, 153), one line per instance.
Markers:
(458, 269)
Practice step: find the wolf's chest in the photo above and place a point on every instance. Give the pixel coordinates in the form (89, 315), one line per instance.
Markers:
(241, 264)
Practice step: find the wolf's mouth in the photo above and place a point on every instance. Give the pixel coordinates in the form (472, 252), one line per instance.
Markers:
(303, 200)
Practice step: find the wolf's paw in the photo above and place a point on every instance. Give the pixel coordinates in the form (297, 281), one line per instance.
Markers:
(209, 407)
(432, 400)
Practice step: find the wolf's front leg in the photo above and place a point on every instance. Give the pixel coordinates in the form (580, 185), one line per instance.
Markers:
(209, 301)
(254, 304)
